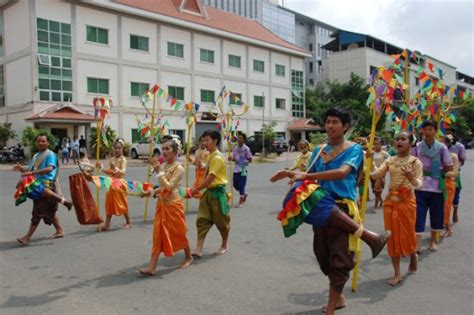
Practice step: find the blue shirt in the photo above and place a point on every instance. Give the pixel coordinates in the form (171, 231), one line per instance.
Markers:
(342, 188)
(50, 160)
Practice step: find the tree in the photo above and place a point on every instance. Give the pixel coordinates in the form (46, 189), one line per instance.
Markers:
(464, 125)
(106, 143)
(6, 133)
(268, 131)
(351, 96)
(29, 136)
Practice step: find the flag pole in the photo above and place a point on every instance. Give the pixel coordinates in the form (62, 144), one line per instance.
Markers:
(150, 152)
(97, 170)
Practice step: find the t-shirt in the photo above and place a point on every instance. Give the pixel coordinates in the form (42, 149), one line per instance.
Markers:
(75, 145)
(216, 166)
(241, 156)
(342, 188)
(50, 160)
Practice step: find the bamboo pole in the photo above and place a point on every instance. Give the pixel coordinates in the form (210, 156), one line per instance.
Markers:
(368, 168)
(229, 154)
(97, 170)
(150, 152)
(188, 144)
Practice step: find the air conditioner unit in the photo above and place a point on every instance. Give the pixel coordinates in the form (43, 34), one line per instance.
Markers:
(44, 60)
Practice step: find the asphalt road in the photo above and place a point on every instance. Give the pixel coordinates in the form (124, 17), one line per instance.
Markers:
(263, 273)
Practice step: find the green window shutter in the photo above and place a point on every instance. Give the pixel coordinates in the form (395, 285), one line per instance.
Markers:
(42, 24)
(135, 135)
(91, 85)
(44, 95)
(56, 96)
(56, 85)
(258, 66)
(134, 88)
(258, 101)
(67, 85)
(170, 49)
(91, 34)
(54, 38)
(143, 43)
(103, 36)
(67, 63)
(180, 93)
(207, 55)
(43, 36)
(65, 28)
(280, 70)
(54, 26)
(103, 86)
(44, 84)
(134, 42)
(66, 40)
(67, 73)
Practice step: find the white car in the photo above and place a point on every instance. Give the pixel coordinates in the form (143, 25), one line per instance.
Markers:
(142, 148)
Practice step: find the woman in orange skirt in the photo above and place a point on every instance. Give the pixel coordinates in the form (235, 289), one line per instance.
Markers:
(200, 160)
(406, 174)
(169, 226)
(116, 199)
(450, 187)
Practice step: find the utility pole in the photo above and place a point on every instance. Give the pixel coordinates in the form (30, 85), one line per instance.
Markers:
(263, 123)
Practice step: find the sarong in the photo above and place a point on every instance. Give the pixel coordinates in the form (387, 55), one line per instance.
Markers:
(169, 226)
(116, 201)
(400, 218)
(30, 187)
(200, 176)
(83, 200)
(448, 202)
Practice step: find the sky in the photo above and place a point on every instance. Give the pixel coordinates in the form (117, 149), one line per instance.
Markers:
(442, 29)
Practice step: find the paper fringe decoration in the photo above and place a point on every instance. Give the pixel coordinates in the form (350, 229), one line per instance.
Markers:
(130, 187)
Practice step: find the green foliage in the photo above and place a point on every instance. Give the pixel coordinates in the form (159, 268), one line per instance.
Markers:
(268, 131)
(6, 133)
(351, 96)
(317, 138)
(126, 149)
(106, 143)
(464, 125)
(29, 135)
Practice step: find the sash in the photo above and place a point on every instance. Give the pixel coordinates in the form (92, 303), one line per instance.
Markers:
(329, 156)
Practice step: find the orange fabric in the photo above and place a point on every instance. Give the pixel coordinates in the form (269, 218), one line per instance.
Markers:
(448, 203)
(200, 176)
(400, 218)
(169, 227)
(116, 202)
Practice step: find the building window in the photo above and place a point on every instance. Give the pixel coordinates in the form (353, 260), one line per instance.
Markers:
(311, 82)
(297, 91)
(319, 50)
(136, 136)
(280, 70)
(280, 103)
(98, 86)
(2, 48)
(2, 87)
(234, 61)
(207, 55)
(311, 67)
(235, 99)
(97, 35)
(177, 92)
(417, 81)
(138, 42)
(258, 101)
(373, 69)
(138, 89)
(310, 47)
(258, 66)
(175, 50)
(207, 96)
(54, 61)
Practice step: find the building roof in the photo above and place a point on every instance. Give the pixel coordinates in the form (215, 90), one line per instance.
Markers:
(304, 125)
(216, 19)
(61, 112)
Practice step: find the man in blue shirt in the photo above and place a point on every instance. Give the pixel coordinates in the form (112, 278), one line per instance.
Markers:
(39, 184)
(336, 221)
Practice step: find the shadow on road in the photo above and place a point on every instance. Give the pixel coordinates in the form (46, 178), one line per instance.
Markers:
(11, 245)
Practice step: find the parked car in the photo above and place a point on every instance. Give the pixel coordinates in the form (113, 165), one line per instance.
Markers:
(278, 145)
(469, 144)
(142, 148)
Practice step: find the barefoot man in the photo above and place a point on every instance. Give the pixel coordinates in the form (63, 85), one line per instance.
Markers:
(213, 205)
(39, 183)
(335, 217)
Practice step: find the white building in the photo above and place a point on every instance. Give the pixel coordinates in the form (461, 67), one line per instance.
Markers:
(56, 56)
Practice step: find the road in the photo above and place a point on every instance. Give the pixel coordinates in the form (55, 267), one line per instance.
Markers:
(263, 273)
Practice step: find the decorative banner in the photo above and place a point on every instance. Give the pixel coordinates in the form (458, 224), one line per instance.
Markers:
(130, 187)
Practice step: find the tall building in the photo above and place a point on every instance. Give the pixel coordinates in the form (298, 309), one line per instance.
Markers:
(294, 27)
(60, 55)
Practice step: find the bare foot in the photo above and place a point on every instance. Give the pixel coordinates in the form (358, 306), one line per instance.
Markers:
(447, 234)
(57, 235)
(104, 228)
(340, 305)
(394, 281)
(23, 240)
(413, 266)
(186, 263)
(147, 272)
(68, 205)
(126, 226)
(221, 251)
(433, 247)
(245, 197)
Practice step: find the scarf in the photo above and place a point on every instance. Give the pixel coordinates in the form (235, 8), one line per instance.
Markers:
(433, 153)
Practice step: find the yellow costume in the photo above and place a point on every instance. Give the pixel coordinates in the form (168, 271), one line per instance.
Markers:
(400, 204)
(301, 162)
(169, 226)
(450, 188)
(200, 162)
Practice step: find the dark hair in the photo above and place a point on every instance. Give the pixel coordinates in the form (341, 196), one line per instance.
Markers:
(430, 123)
(173, 145)
(213, 134)
(119, 141)
(167, 138)
(42, 134)
(410, 135)
(82, 154)
(243, 135)
(340, 113)
(379, 139)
